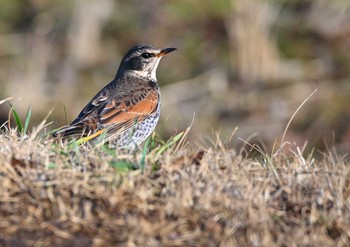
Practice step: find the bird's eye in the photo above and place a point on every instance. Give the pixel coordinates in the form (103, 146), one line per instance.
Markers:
(147, 55)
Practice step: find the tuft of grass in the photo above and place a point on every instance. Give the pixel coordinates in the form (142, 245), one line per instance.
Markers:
(171, 142)
(22, 128)
(17, 119)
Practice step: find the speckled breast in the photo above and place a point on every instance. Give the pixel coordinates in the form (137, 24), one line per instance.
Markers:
(136, 135)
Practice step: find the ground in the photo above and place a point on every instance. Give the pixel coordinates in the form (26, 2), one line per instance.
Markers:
(54, 194)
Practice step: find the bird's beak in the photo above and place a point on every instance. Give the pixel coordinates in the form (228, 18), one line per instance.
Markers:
(165, 51)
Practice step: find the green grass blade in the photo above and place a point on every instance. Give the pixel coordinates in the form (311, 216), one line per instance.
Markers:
(17, 119)
(122, 166)
(101, 138)
(171, 142)
(108, 150)
(26, 122)
(144, 154)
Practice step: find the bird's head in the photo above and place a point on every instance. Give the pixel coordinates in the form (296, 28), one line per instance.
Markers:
(143, 60)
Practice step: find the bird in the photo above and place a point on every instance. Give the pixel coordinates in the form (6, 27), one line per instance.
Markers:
(126, 111)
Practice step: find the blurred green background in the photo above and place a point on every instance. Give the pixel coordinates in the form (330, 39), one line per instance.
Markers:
(245, 63)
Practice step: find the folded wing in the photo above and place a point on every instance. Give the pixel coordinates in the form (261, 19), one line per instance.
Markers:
(115, 114)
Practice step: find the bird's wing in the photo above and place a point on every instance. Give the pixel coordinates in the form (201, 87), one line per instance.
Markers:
(87, 121)
(116, 114)
(121, 115)
(95, 105)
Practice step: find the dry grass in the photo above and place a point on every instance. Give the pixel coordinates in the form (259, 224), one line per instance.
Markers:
(53, 194)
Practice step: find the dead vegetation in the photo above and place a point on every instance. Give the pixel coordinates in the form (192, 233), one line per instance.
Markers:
(247, 63)
(209, 196)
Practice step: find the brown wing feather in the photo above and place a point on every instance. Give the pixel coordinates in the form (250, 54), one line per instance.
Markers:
(115, 112)
(120, 117)
(91, 109)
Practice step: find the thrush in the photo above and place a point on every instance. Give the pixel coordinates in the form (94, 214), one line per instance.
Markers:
(126, 111)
